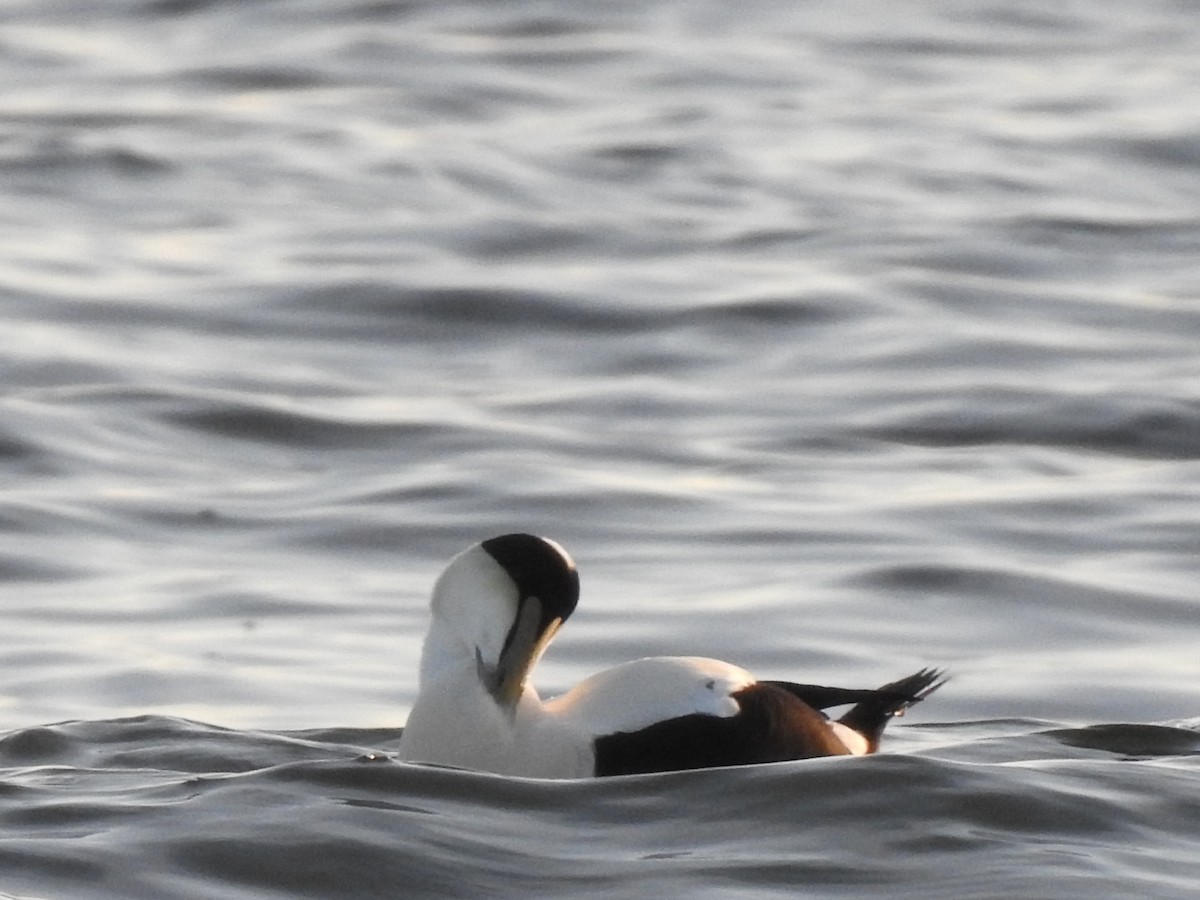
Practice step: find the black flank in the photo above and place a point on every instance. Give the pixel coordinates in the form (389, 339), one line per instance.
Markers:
(773, 725)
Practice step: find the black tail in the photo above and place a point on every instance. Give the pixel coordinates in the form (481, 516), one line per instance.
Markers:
(870, 716)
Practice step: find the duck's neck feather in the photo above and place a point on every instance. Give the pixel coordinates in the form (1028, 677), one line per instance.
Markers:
(456, 722)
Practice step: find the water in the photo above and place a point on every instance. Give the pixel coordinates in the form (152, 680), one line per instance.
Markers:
(832, 340)
(301, 815)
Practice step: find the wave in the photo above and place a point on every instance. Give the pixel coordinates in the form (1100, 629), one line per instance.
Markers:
(173, 808)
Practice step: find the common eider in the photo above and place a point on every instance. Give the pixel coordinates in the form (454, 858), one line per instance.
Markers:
(495, 609)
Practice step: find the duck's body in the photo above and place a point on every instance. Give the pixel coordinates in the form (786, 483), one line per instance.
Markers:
(496, 608)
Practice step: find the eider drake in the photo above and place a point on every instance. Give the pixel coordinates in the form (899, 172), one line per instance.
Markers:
(496, 608)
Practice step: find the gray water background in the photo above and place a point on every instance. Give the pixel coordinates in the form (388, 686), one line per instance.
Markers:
(834, 340)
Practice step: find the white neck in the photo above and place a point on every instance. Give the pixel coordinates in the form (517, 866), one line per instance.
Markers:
(443, 654)
(456, 722)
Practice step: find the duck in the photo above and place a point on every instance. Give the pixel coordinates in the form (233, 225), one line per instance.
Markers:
(493, 612)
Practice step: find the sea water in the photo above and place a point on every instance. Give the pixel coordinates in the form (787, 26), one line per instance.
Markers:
(834, 340)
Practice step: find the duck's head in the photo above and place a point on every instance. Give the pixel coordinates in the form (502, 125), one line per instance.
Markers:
(503, 600)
